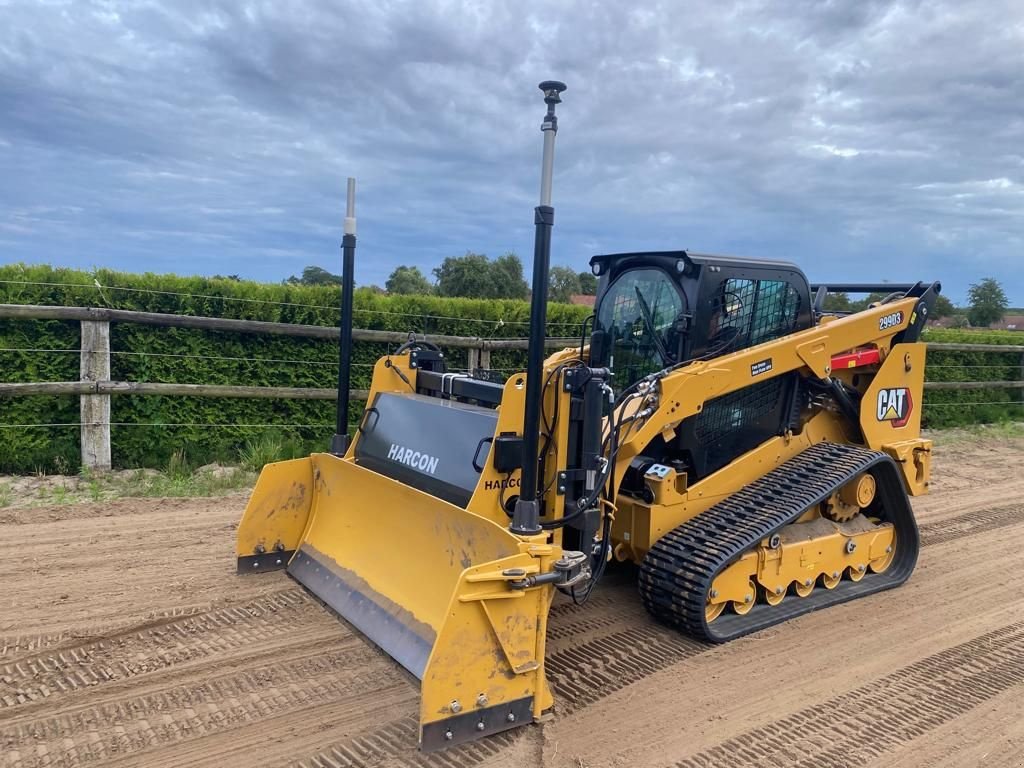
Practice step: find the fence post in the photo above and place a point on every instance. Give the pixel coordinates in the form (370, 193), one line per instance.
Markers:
(472, 359)
(485, 359)
(94, 410)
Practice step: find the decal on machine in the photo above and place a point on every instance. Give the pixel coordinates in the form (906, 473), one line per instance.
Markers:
(895, 405)
(893, 319)
(761, 366)
(421, 461)
(494, 485)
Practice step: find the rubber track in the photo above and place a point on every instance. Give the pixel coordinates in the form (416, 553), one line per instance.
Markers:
(679, 569)
(867, 723)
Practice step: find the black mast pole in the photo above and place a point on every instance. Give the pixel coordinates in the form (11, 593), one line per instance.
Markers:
(526, 516)
(340, 441)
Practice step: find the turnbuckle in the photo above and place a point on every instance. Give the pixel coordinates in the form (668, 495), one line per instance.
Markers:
(567, 571)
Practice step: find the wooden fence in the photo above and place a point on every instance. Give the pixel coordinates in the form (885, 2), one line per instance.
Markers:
(95, 388)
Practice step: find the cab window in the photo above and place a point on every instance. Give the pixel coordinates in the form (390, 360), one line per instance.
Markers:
(639, 313)
(748, 312)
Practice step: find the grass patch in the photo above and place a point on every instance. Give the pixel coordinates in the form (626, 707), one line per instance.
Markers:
(177, 481)
(203, 482)
(179, 478)
(1001, 430)
(267, 448)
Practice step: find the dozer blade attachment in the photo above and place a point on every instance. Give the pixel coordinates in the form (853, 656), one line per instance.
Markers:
(276, 516)
(431, 584)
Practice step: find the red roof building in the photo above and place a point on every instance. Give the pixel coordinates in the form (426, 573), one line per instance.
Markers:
(582, 299)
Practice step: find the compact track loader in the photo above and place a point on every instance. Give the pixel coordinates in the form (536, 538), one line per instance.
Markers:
(752, 453)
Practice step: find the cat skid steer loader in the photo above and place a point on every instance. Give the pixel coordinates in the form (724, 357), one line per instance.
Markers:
(751, 452)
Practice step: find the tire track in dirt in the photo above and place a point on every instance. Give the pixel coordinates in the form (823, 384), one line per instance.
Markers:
(623, 654)
(971, 524)
(188, 693)
(19, 644)
(182, 710)
(867, 722)
(585, 673)
(164, 645)
(379, 745)
(18, 647)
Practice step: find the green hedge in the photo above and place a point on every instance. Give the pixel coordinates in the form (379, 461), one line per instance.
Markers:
(176, 355)
(952, 408)
(143, 353)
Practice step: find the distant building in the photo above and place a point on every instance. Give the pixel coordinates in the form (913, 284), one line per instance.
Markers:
(1009, 323)
(588, 301)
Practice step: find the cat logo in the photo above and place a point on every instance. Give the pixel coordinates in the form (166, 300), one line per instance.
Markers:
(895, 405)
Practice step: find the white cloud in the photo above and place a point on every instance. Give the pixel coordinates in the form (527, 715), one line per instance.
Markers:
(735, 127)
(837, 151)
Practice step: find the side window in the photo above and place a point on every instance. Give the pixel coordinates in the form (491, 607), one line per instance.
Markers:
(748, 312)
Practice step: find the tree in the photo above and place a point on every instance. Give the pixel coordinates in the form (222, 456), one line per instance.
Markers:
(960, 321)
(837, 302)
(467, 275)
(562, 284)
(588, 284)
(987, 302)
(315, 276)
(408, 280)
(507, 274)
(872, 298)
(477, 277)
(943, 308)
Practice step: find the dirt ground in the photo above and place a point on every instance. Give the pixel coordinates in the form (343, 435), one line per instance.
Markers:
(126, 639)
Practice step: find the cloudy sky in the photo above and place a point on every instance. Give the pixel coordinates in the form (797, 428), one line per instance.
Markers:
(863, 140)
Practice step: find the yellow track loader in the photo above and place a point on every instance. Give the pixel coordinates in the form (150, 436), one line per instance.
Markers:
(751, 452)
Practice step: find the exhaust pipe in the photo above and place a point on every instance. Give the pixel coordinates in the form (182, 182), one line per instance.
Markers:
(526, 516)
(341, 439)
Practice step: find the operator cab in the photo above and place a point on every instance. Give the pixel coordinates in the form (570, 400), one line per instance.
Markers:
(656, 310)
(659, 310)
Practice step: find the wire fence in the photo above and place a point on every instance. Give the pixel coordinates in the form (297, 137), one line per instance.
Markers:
(166, 424)
(968, 404)
(261, 418)
(330, 424)
(332, 364)
(98, 289)
(224, 358)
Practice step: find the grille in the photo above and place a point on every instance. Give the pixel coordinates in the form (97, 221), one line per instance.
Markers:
(737, 410)
(749, 312)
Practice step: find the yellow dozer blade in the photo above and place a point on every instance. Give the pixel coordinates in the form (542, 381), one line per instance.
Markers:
(427, 581)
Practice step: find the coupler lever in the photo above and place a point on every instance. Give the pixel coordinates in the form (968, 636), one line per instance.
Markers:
(570, 569)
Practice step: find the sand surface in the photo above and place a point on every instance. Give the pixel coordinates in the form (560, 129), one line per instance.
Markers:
(126, 639)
